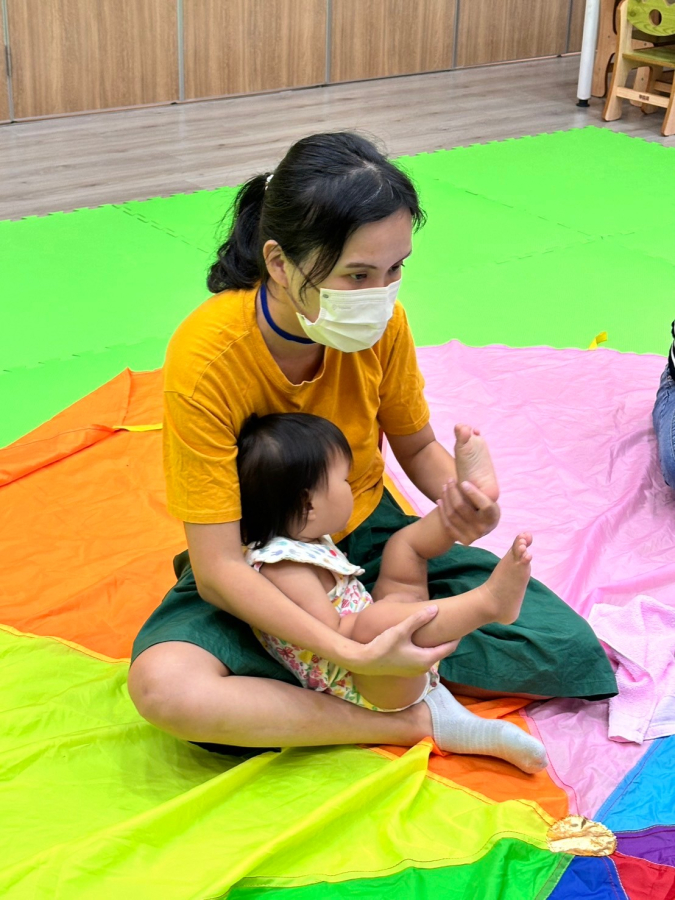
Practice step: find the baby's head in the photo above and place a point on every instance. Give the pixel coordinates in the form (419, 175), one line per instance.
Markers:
(293, 470)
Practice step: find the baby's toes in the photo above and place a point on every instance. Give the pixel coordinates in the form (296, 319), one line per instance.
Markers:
(520, 546)
(462, 434)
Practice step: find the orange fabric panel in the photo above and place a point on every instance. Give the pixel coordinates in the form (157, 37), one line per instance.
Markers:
(84, 525)
(83, 520)
(493, 778)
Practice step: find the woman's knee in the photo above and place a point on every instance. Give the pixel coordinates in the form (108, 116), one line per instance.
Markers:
(166, 683)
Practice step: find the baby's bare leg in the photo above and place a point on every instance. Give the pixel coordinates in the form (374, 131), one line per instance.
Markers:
(498, 600)
(404, 561)
(387, 692)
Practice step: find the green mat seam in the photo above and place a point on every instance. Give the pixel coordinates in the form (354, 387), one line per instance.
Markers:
(163, 228)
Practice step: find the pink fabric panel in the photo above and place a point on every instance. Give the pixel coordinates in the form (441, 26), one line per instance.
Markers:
(571, 436)
(583, 761)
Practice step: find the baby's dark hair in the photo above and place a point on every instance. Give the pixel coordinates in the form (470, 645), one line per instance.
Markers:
(282, 458)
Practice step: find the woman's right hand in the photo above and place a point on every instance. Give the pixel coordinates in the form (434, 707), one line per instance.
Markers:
(394, 653)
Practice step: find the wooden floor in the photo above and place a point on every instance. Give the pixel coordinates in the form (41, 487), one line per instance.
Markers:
(63, 164)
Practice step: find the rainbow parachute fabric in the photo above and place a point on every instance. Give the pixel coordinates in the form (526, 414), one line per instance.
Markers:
(97, 803)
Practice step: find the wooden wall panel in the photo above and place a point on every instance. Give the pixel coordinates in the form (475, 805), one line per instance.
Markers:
(75, 55)
(4, 92)
(244, 46)
(576, 25)
(497, 30)
(376, 38)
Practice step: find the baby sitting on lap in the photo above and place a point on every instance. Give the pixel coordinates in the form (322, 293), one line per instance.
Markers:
(293, 471)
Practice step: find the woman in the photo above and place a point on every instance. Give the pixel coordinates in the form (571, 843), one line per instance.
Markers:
(305, 320)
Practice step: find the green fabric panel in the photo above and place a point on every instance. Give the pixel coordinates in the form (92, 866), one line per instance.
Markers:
(395, 817)
(78, 762)
(510, 871)
(95, 802)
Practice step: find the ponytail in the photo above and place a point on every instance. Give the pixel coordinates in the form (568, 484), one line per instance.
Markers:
(239, 265)
(326, 187)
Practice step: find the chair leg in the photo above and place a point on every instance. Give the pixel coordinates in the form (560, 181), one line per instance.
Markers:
(612, 108)
(606, 47)
(643, 75)
(624, 44)
(655, 74)
(641, 83)
(668, 126)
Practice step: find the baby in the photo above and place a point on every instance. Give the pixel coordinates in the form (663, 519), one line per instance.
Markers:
(293, 472)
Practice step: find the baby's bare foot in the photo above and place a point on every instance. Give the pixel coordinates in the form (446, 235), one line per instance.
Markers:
(509, 580)
(473, 461)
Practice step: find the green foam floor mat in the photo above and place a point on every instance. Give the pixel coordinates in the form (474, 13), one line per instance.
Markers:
(199, 219)
(562, 298)
(593, 180)
(79, 282)
(540, 240)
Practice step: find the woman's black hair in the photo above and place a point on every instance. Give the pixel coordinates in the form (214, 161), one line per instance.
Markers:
(326, 187)
(283, 458)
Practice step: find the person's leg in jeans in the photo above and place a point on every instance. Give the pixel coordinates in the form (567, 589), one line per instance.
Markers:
(663, 417)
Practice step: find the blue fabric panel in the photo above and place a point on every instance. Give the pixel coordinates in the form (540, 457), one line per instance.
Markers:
(589, 878)
(646, 796)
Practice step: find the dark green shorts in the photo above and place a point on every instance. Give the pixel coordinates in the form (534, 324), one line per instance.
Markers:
(549, 650)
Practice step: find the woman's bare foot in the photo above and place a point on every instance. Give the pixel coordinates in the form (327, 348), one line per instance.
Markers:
(473, 461)
(508, 582)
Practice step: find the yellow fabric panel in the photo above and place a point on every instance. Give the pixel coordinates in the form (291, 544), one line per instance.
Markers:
(95, 802)
(397, 817)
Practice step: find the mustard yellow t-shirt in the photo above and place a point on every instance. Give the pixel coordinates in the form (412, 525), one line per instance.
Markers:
(219, 371)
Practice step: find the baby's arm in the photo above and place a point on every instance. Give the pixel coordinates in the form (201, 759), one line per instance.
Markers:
(301, 584)
(404, 561)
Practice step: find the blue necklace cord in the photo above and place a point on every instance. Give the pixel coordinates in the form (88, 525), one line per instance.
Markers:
(270, 321)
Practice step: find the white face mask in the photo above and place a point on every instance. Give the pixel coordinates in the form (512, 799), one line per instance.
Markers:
(351, 320)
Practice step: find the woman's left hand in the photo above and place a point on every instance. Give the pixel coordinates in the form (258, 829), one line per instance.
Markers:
(467, 513)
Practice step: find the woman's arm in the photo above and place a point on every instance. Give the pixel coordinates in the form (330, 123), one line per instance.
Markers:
(466, 512)
(226, 580)
(426, 462)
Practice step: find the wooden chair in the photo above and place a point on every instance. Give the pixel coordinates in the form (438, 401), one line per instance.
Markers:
(606, 48)
(652, 17)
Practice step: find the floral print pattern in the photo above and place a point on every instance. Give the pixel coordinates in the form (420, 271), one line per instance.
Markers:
(348, 596)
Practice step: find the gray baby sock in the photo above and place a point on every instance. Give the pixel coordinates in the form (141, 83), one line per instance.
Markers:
(460, 731)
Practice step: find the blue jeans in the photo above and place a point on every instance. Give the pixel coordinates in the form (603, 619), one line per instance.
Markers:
(663, 417)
